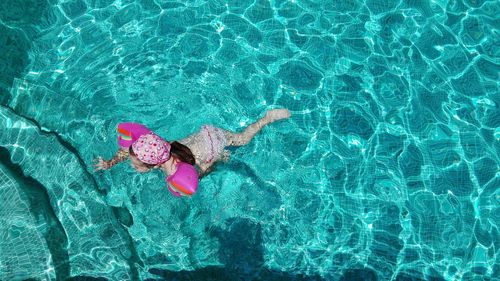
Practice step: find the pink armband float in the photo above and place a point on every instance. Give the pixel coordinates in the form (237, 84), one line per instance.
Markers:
(184, 182)
(129, 132)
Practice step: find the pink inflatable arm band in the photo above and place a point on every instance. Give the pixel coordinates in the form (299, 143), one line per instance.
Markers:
(184, 182)
(129, 132)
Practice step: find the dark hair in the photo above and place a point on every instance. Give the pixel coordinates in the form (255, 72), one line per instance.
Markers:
(182, 152)
(177, 150)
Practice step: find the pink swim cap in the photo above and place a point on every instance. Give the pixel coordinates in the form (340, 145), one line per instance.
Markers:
(184, 182)
(151, 149)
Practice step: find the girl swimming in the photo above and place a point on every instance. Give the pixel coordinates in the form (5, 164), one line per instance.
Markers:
(177, 159)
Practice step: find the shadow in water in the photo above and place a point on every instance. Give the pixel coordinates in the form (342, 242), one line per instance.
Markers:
(242, 253)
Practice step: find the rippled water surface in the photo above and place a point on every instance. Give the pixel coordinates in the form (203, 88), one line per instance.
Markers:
(388, 168)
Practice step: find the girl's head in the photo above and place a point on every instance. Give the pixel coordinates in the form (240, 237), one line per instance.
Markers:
(138, 164)
(178, 151)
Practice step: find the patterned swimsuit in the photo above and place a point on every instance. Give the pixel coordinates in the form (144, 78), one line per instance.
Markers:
(207, 145)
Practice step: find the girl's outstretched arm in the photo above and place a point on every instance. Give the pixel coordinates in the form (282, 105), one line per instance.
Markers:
(120, 156)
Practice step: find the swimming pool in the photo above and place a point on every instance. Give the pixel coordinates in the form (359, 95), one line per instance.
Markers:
(387, 170)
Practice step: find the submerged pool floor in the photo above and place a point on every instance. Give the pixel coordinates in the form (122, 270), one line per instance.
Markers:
(388, 168)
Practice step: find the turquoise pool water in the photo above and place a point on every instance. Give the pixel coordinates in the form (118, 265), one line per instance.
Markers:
(388, 168)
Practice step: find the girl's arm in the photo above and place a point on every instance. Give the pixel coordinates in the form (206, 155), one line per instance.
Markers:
(120, 156)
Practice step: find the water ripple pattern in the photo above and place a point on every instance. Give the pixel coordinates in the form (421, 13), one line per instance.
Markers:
(387, 170)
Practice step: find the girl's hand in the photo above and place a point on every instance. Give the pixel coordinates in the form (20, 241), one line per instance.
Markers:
(101, 164)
